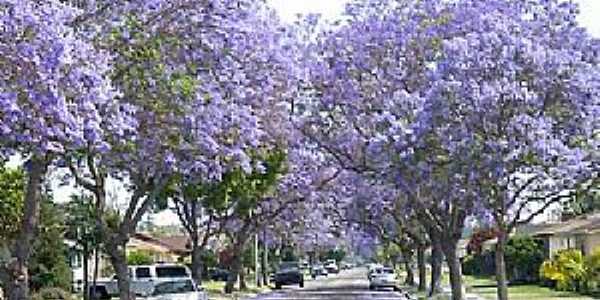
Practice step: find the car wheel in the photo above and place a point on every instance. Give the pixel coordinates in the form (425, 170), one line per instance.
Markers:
(372, 288)
(99, 294)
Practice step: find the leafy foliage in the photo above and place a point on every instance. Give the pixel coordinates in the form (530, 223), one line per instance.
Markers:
(479, 264)
(49, 261)
(337, 254)
(592, 277)
(479, 237)
(524, 255)
(389, 252)
(139, 257)
(52, 294)
(566, 268)
(80, 221)
(11, 202)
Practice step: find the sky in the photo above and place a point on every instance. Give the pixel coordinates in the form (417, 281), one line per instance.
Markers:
(330, 9)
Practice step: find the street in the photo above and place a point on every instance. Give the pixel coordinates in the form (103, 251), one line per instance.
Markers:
(347, 285)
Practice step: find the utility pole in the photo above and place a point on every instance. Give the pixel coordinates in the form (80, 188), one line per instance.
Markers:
(265, 259)
(256, 262)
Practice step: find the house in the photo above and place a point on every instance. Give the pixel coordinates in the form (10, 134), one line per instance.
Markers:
(589, 236)
(462, 246)
(582, 233)
(163, 249)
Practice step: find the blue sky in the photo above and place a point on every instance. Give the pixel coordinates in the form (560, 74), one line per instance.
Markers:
(590, 10)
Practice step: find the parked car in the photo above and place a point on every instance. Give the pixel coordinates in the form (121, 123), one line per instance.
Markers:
(304, 265)
(371, 268)
(347, 266)
(143, 279)
(332, 267)
(383, 278)
(218, 274)
(183, 289)
(288, 274)
(318, 270)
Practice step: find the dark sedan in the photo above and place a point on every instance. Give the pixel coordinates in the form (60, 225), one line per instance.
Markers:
(218, 274)
(288, 274)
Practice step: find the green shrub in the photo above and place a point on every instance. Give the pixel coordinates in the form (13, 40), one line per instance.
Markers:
(523, 256)
(592, 277)
(566, 268)
(481, 264)
(139, 257)
(49, 264)
(51, 294)
(472, 265)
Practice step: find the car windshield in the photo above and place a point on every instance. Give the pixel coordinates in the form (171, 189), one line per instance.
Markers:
(174, 287)
(385, 271)
(171, 271)
(288, 265)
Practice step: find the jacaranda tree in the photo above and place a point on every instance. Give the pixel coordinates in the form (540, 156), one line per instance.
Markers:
(55, 93)
(461, 105)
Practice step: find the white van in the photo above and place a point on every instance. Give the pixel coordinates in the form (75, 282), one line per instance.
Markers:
(143, 279)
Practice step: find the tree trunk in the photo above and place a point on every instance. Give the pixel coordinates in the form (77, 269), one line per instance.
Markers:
(455, 269)
(264, 264)
(257, 256)
(18, 285)
(422, 268)
(196, 262)
(410, 276)
(86, 271)
(96, 269)
(236, 265)
(502, 284)
(243, 284)
(436, 265)
(118, 259)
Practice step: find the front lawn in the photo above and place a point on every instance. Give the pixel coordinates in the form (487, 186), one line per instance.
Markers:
(483, 286)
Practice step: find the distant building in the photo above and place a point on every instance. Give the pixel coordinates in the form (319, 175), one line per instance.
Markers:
(163, 249)
(169, 249)
(581, 233)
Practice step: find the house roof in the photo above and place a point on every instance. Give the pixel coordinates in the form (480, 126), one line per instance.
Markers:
(180, 243)
(146, 245)
(579, 225)
(177, 244)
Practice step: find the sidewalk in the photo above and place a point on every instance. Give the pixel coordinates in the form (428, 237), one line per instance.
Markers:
(445, 295)
(215, 291)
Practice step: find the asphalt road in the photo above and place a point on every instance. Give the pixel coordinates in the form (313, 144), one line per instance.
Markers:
(347, 285)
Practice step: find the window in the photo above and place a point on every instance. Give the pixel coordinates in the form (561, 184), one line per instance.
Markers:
(142, 273)
(174, 287)
(171, 271)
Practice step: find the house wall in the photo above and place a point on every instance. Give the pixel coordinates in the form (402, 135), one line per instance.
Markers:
(77, 272)
(591, 243)
(556, 243)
